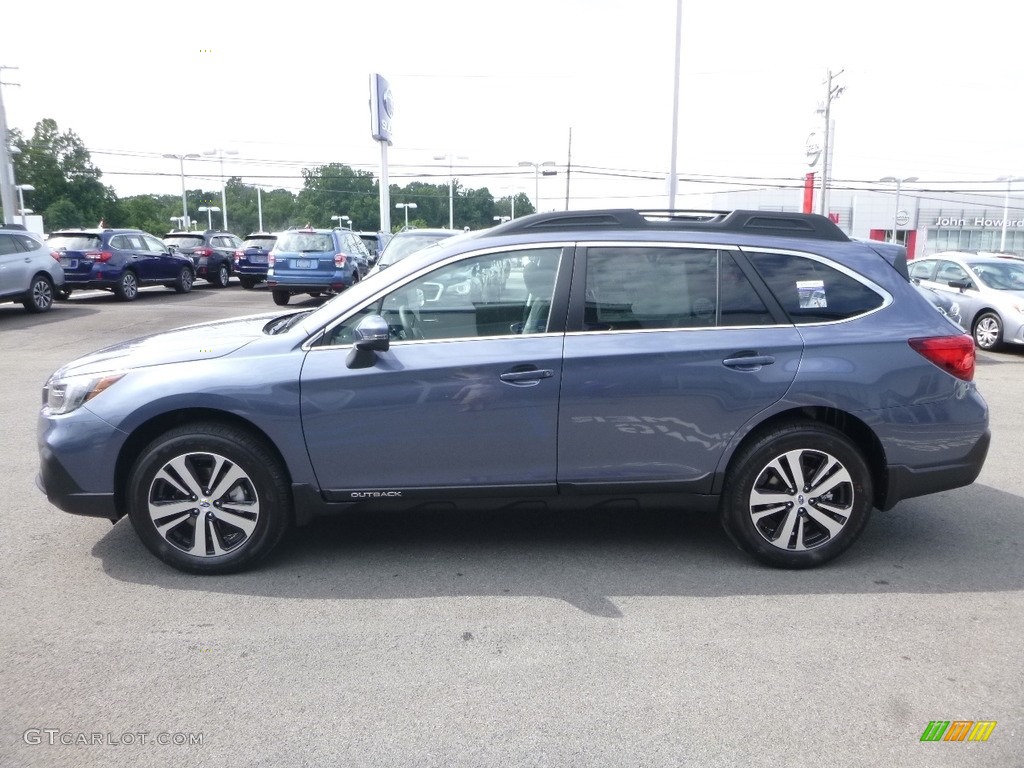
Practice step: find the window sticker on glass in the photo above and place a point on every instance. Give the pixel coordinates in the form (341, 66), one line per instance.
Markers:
(812, 294)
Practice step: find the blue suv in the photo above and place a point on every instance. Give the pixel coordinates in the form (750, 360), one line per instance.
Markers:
(758, 366)
(118, 260)
(315, 261)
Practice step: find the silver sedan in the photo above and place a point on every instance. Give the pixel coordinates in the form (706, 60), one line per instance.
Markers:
(988, 289)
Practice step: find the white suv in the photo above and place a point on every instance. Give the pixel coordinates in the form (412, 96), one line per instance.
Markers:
(30, 272)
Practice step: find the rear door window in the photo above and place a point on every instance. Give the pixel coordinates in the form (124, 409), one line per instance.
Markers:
(661, 288)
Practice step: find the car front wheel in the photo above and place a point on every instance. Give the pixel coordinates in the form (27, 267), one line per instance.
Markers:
(40, 295)
(281, 298)
(988, 331)
(209, 498)
(127, 287)
(797, 496)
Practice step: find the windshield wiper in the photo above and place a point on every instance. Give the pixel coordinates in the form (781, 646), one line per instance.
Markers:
(282, 324)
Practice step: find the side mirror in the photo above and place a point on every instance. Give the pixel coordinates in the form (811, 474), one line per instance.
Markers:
(372, 335)
(963, 284)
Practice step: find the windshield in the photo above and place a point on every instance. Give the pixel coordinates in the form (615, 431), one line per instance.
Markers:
(183, 241)
(1001, 275)
(82, 242)
(305, 242)
(404, 244)
(259, 242)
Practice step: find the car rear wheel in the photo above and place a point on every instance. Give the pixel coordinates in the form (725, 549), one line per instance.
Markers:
(281, 298)
(209, 498)
(63, 294)
(222, 276)
(185, 280)
(40, 295)
(127, 287)
(797, 496)
(248, 282)
(988, 331)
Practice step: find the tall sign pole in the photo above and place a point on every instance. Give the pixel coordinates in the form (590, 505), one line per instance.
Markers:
(6, 167)
(382, 108)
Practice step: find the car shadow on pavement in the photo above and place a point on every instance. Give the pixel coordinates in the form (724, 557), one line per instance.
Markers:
(14, 316)
(961, 541)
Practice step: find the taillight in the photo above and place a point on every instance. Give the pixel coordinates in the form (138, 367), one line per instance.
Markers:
(99, 256)
(339, 260)
(55, 255)
(238, 256)
(203, 252)
(953, 354)
(271, 259)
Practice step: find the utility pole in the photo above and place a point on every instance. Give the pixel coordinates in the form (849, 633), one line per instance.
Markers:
(832, 92)
(568, 171)
(6, 167)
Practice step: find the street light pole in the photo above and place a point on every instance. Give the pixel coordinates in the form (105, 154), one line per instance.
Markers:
(22, 189)
(209, 209)
(223, 189)
(406, 206)
(1006, 206)
(451, 157)
(536, 179)
(184, 201)
(899, 183)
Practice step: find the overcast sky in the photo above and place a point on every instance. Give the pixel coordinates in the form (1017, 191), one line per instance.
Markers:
(932, 90)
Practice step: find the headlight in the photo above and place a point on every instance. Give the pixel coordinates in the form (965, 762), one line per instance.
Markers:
(66, 394)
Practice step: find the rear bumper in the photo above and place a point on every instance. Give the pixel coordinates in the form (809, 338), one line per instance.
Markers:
(336, 284)
(907, 482)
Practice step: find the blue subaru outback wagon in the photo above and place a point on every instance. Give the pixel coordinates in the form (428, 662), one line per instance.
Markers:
(759, 366)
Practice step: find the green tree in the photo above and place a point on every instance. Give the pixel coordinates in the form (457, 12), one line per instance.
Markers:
(337, 190)
(60, 168)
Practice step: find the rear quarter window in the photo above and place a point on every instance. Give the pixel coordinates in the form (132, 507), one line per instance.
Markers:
(811, 291)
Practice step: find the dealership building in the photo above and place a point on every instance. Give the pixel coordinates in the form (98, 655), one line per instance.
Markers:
(926, 222)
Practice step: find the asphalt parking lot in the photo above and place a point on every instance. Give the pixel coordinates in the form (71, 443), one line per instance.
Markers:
(444, 639)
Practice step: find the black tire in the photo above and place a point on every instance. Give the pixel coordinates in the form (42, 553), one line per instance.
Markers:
(40, 295)
(790, 525)
(248, 282)
(222, 276)
(281, 298)
(245, 513)
(127, 287)
(63, 294)
(186, 278)
(988, 331)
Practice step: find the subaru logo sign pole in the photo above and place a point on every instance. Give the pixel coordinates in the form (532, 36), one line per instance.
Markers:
(382, 109)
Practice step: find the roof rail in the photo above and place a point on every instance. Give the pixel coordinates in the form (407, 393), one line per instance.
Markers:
(808, 225)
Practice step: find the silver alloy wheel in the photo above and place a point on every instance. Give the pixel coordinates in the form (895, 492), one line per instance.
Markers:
(42, 294)
(223, 278)
(801, 500)
(203, 504)
(186, 280)
(129, 286)
(987, 332)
